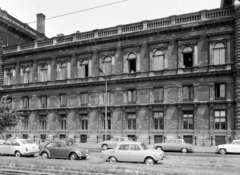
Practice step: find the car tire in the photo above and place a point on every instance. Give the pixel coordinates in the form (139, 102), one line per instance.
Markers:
(105, 147)
(184, 150)
(44, 155)
(17, 154)
(222, 151)
(159, 148)
(149, 161)
(112, 159)
(73, 156)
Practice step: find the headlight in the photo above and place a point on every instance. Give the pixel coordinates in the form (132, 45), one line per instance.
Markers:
(78, 153)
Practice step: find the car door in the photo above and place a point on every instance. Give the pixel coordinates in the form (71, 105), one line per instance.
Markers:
(113, 143)
(60, 150)
(6, 147)
(51, 148)
(235, 147)
(14, 146)
(135, 153)
(122, 154)
(177, 146)
(169, 145)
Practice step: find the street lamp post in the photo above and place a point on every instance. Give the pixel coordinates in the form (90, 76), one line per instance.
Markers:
(105, 101)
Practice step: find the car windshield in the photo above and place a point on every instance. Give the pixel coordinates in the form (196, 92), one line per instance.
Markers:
(26, 142)
(144, 146)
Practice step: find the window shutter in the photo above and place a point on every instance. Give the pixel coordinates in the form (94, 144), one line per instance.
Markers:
(222, 90)
(216, 56)
(156, 63)
(156, 94)
(129, 96)
(185, 92)
(58, 72)
(191, 93)
(83, 71)
(160, 62)
(222, 56)
(134, 95)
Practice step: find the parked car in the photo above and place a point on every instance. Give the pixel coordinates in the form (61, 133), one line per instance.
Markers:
(113, 142)
(233, 147)
(1, 141)
(19, 147)
(59, 149)
(174, 145)
(133, 152)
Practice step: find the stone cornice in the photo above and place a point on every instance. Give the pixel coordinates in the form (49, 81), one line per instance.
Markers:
(193, 37)
(227, 32)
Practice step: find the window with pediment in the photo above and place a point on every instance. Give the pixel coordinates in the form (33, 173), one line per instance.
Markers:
(132, 63)
(187, 57)
(158, 60)
(8, 77)
(43, 73)
(107, 65)
(26, 75)
(63, 71)
(83, 69)
(219, 54)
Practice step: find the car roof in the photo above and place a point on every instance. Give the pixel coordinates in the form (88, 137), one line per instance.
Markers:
(125, 143)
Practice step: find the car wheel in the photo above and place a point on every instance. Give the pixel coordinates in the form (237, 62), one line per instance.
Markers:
(159, 148)
(73, 156)
(184, 150)
(112, 159)
(18, 154)
(149, 161)
(44, 155)
(105, 147)
(222, 151)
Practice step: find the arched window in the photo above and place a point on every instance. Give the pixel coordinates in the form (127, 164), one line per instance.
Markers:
(43, 73)
(188, 57)
(26, 75)
(132, 62)
(158, 57)
(219, 52)
(63, 70)
(84, 69)
(107, 66)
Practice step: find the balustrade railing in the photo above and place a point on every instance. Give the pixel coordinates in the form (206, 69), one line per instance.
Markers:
(146, 25)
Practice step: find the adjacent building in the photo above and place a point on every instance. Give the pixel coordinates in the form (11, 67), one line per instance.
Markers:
(173, 77)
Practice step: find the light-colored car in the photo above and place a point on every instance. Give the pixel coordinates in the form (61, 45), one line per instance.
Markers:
(1, 141)
(61, 149)
(233, 147)
(19, 147)
(174, 145)
(108, 144)
(133, 152)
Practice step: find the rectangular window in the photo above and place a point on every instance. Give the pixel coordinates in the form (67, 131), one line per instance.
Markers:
(108, 121)
(132, 66)
(9, 78)
(188, 59)
(188, 120)
(132, 96)
(84, 99)
(63, 100)
(220, 91)
(43, 137)
(25, 123)
(158, 120)
(44, 101)
(188, 93)
(220, 120)
(43, 122)
(108, 97)
(132, 121)
(158, 95)
(63, 122)
(25, 102)
(84, 122)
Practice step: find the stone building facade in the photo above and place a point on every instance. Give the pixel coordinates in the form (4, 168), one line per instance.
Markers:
(174, 77)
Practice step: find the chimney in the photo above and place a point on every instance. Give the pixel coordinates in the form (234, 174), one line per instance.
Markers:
(41, 23)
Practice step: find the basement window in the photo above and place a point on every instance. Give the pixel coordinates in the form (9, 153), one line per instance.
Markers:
(188, 57)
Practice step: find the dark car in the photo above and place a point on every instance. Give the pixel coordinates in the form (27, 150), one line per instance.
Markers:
(60, 149)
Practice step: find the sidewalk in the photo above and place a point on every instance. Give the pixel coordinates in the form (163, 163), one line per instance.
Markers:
(197, 149)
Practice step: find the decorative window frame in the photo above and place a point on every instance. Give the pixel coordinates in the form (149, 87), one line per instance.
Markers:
(24, 65)
(220, 37)
(61, 59)
(42, 62)
(80, 57)
(6, 69)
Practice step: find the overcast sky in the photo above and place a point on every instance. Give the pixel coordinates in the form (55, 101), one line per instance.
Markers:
(128, 11)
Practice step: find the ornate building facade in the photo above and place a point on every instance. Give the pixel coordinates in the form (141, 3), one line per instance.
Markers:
(174, 77)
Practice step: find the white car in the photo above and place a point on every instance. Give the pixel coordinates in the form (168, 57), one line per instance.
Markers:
(107, 144)
(19, 147)
(233, 147)
(133, 152)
